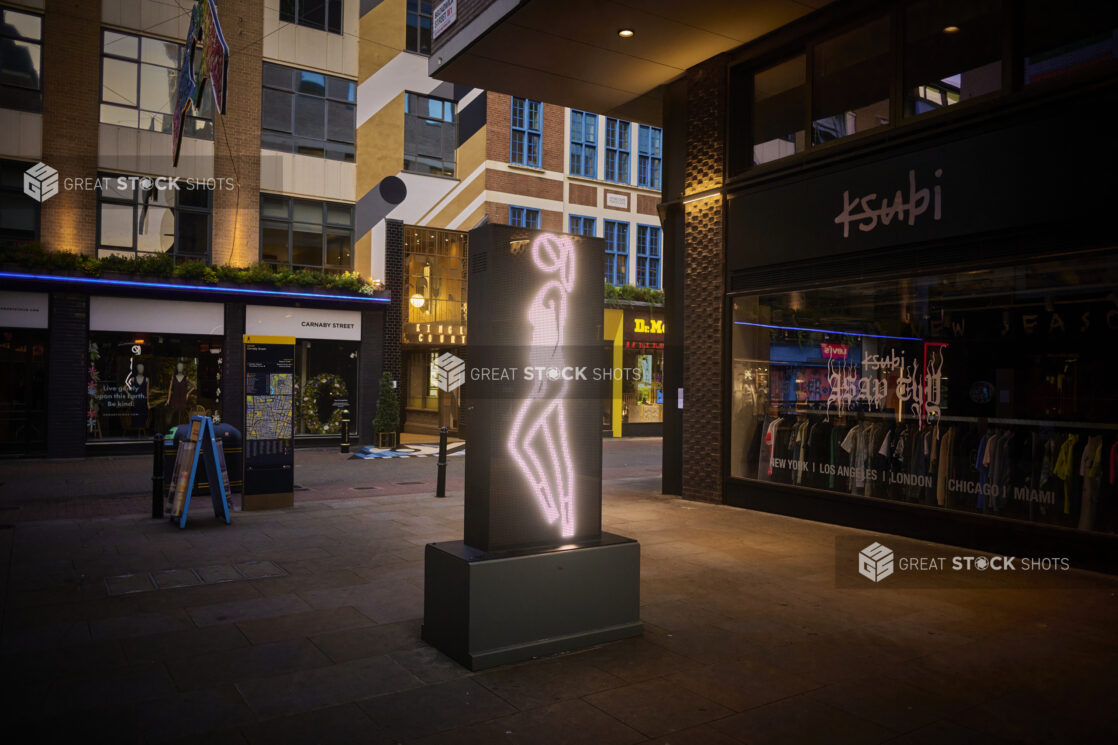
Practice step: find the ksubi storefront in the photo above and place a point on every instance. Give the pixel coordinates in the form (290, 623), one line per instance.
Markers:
(938, 359)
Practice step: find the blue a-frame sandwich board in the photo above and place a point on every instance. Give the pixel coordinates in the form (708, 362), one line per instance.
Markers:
(200, 444)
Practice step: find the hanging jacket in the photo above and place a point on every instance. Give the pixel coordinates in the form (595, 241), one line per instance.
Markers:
(1064, 468)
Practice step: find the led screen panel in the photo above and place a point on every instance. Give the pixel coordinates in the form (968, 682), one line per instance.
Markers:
(533, 384)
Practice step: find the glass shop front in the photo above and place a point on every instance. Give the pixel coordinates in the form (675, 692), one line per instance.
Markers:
(642, 393)
(988, 391)
(921, 340)
(327, 363)
(152, 364)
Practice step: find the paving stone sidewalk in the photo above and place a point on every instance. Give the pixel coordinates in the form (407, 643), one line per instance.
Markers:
(302, 626)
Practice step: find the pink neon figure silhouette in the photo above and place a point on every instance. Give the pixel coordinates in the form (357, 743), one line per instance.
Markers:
(538, 438)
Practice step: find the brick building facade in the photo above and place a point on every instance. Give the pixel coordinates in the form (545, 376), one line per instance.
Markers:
(361, 181)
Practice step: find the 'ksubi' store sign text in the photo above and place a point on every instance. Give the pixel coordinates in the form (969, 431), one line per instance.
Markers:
(870, 210)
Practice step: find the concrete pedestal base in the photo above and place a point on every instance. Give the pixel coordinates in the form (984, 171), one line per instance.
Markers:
(487, 609)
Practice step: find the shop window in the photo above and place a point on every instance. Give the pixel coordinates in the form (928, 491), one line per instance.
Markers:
(952, 52)
(850, 82)
(306, 234)
(524, 217)
(779, 110)
(642, 394)
(617, 151)
(141, 383)
(324, 15)
(986, 391)
(423, 389)
(649, 156)
(427, 406)
(580, 225)
(584, 144)
(419, 26)
(648, 256)
(430, 135)
(138, 79)
(19, 216)
(21, 60)
(142, 216)
(309, 113)
(525, 132)
(617, 251)
(435, 281)
(1055, 45)
(326, 375)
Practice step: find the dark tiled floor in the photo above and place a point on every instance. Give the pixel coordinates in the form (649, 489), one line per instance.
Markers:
(747, 640)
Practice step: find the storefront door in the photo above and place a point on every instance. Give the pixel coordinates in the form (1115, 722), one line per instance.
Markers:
(23, 391)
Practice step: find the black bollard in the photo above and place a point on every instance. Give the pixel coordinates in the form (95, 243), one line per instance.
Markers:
(157, 476)
(440, 485)
(345, 431)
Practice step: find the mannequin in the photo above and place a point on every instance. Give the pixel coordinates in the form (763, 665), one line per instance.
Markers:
(139, 387)
(178, 393)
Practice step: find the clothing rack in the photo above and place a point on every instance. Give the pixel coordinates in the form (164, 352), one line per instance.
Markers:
(1032, 422)
(791, 408)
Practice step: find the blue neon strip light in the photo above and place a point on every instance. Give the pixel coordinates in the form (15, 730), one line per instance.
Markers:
(168, 286)
(827, 331)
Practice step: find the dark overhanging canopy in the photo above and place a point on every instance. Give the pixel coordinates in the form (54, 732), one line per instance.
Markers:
(569, 52)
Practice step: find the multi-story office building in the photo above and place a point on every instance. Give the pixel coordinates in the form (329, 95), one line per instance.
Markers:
(336, 153)
(471, 156)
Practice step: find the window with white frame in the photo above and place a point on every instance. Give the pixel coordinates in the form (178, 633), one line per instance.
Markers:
(617, 250)
(138, 78)
(580, 225)
(139, 216)
(430, 134)
(526, 131)
(306, 234)
(19, 216)
(648, 256)
(584, 144)
(21, 63)
(524, 217)
(617, 151)
(308, 113)
(650, 142)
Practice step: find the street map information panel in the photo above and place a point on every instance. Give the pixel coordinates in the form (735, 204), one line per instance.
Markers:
(269, 421)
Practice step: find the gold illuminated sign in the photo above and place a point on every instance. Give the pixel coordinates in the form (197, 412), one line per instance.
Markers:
(641, 326)
(435, 333)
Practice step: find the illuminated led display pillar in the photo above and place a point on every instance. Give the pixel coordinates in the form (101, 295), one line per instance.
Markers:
(532, 398)
(534, 574)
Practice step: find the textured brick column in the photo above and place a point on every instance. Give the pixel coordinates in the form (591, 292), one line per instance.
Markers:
(236, 219)
(67, 371)
(233, 367)
(394, 316)
(394, 281)
(71, 96)
(703, 283)
(372, 365)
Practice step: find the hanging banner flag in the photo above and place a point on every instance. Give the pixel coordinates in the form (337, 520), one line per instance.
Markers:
(205, 28)
(215, 57)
